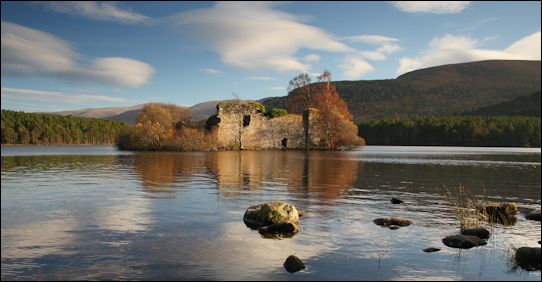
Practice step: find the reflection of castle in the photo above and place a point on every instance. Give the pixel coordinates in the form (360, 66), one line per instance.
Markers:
(320, 173)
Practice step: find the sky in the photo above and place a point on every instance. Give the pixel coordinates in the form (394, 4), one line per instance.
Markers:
(73, 55)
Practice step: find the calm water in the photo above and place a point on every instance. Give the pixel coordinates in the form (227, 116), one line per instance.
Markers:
(96, 213)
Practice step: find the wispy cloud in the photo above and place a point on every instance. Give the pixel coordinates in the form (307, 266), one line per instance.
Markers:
(312, 58)
(353, 67)
(97, 10)
(387, 45)
(65, 97)
(477, 24)
(257, 35)
(372, 39)
(277, 88)
(433, 7)
(211, 71)
(261, 78)
(450, 49)
(30, 52)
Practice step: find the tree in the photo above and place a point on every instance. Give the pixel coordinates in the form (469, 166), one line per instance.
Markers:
(299, 93)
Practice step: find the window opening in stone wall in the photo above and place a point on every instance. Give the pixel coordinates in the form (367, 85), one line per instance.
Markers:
(246, 120)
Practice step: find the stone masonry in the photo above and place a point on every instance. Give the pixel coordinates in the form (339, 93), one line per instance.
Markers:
(242, 126)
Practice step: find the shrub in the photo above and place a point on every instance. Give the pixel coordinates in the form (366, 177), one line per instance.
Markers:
(277, 112)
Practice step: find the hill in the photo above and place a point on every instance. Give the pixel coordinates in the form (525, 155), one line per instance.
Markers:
(476, 88)
(521, 106)
(444, 90)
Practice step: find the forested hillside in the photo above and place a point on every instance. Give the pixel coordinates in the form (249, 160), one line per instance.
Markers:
(453, 131)
(438, 91)
(34, 128)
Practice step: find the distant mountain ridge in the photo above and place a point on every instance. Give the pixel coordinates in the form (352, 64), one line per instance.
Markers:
(439, 91)
(455, 89)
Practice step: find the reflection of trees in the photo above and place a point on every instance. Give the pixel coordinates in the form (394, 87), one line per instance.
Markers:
(163, 170)
(324, 174)
(34, 164)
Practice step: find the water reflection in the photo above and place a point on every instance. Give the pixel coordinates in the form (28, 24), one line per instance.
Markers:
(161, 216)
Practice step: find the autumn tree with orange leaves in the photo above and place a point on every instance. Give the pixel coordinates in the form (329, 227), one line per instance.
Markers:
(334, 121)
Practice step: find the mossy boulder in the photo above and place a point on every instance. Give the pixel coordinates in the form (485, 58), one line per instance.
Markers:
(270, 213)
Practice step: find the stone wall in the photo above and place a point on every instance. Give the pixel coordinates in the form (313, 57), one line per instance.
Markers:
(241, 126)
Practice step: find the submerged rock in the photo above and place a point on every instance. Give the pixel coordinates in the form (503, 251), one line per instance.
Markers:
(396, 201)
(463, 241)
(279, 230)
(528, 258)
(431, 249)
(293, 264)
(393, 222)
(534, 215)
(504, 213)
(481, 233)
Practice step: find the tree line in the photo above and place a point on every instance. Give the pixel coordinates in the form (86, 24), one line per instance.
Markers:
(41, 129)
(453, 131)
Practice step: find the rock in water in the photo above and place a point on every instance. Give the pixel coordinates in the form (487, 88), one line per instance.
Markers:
(430, 250)
(396, 201)
(528, 258)
(481, 233)
(463, 241)
(272, 217)
(535, 215)
(393, 221)
(293, 264)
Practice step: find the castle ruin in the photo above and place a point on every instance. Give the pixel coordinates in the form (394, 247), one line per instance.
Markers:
(242, 126)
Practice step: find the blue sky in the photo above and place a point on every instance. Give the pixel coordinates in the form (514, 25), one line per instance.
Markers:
(72, 55)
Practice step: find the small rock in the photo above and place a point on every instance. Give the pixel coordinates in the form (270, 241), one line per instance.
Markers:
(481, 233)
(431, 249)
(389, 221)
(535, 215)
(528, 258)
(301, 213)
(293, 264)
(396, 201)
(463, 241)
(393, 227)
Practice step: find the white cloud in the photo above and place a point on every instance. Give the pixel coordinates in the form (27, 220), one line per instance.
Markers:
(450, 49)
(387, 45)
(277, 88)
(388, 48)
(261, 78)
(30, 52)
(97, 10)
(17, 94)
(211, 71)
(312, 58)
(354, 67)
(372, 55)
(435, 7)
(371, 39)
(257, 36)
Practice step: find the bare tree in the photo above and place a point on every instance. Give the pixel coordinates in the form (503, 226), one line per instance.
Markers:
(299, 92)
